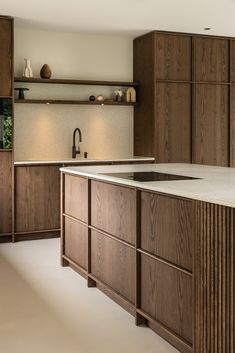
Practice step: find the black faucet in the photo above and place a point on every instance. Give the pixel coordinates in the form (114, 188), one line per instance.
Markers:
(76, 151)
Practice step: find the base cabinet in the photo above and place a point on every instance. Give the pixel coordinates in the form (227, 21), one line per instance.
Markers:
(76, 242)
(166, 295)
(37, 201)
(5, 194)
(114, 264)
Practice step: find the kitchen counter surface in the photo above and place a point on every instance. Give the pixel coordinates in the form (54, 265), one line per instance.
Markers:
(82, 160)
(216, 184)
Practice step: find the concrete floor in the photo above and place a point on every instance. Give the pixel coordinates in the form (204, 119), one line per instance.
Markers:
(45, 308)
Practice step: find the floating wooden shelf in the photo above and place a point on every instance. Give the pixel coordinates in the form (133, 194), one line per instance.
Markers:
(56, 101)
(6, 150)
(76, 82)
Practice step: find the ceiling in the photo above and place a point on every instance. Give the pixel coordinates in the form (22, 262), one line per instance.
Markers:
(124, 17)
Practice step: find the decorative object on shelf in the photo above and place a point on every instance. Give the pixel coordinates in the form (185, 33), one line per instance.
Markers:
(85, 154)
(131, 95)
(7, 135)
(45, 71)
(28, 72)
(118, 95)
(100, 98)
(92, 98)
(21, 91)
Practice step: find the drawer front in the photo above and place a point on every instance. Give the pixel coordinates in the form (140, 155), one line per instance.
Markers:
(113, 210)
(166, 295)
(76, 240)
(76, 197)
(114, 264)
(167, 228)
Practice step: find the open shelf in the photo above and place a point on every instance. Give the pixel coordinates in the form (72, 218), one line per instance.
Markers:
(76, 82)
(6, 150)
(56, 101)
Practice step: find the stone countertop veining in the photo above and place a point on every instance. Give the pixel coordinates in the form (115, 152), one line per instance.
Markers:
(82, 160)
(216, 184)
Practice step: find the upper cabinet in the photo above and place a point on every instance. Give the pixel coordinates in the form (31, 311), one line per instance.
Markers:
(172, 57)
(211, 59)
(6, 56)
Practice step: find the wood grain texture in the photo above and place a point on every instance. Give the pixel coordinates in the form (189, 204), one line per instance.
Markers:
(76, 197)
(232, 125)
(173, 122)
(166, 295)
(172, 57)
(113, 210)
(114, 264)
(37, 198)
(211, 125)
(211, 59)
(214, 273)
(144, 72)
(5, 192)
(6, 56)
(167, 228)
(76, 242)
(232, 57)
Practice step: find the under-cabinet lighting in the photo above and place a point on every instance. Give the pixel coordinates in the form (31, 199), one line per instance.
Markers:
(47, 102)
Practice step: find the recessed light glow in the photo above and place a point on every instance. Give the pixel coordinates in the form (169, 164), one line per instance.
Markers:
(207, 29)
(47, 102)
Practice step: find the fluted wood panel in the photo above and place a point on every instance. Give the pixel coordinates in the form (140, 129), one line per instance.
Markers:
(214, 270)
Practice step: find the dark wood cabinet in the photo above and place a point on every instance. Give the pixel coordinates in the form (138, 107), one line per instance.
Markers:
(167, 228)
(113, 210)
(172, 57)
(37, 200)
(211, 124)
(173, 127)
(5, 194)
(162, 65)
(186, 110)
(114, 264)
(6, 56)
(211, 59)
(166, 295)
(76, 242)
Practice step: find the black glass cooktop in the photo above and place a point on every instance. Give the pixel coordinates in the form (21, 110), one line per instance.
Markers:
(149, 176)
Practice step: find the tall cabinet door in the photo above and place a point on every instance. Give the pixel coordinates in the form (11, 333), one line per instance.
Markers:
(6, 60)
(173, 122)
(211, 124)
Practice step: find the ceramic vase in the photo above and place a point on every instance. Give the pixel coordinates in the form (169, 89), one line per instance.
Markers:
(45, 71)
(28, 72)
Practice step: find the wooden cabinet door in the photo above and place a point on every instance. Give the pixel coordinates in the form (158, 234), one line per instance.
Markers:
(6, 56)
(173, 122)
(5, 192)
(75, 242)
(211, 59)
(166, 295)
(113, 210)
(114, 264)
(37, 198)
(172, 57)
(211, 124)
(167, 228)
(76, 197)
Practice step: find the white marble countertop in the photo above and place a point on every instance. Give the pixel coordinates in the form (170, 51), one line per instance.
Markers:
(217, 184)
(82, 160)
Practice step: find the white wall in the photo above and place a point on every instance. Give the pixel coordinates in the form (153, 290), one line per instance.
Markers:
(45, 131)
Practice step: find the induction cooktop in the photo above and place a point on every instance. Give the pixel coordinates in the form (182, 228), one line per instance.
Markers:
(149, 176)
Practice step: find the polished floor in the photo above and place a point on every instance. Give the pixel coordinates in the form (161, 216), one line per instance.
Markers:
(45, 308)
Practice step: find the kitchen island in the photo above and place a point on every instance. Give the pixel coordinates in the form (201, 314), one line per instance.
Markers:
(164, 250)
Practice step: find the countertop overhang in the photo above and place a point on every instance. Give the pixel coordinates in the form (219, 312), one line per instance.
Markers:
(83, 160)
(216, 184)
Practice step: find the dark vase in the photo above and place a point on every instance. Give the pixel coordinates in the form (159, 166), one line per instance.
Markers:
(45, 71)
